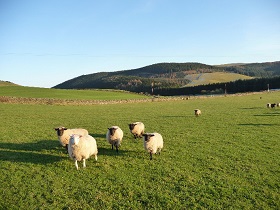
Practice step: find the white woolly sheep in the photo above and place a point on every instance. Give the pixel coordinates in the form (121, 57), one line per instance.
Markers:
(64, 134)
(268, 105)
(114, 136)
(197, 112)
(153, 143)
(81, 148)
(137, 129)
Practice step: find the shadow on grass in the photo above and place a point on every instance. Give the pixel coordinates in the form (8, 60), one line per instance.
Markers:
(109, 152)
(252, 108)
(275, 114)
(28, 157)
(176, 116)
(258, 124)
(28, 152)
(32, 146)
(97, 135)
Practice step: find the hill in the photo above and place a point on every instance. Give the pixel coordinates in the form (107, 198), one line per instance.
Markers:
(165, 75)
(7, 83)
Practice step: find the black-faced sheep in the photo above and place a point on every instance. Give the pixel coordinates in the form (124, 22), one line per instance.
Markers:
(137, 129)
(197, 112)
(64, 134)
(153, 143)
(114, 136)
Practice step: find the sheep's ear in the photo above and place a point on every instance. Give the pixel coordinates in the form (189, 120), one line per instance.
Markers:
(65, 128)
(56, 129)
(152, 135)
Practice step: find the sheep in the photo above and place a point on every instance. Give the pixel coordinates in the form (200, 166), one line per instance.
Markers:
(137, 129)
(81, 148)
(268, 105)
(64, 134)
(114, 136)
(197, 112)
(153, 143)
(278, 104)
(273, 105)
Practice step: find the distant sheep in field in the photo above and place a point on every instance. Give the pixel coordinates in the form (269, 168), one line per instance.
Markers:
(278, 104)
(197, 112)
(114, 136)
(153, 143)
(81, 148)
(270, 105)
(137, 129)
(273, 105)
(64, 134)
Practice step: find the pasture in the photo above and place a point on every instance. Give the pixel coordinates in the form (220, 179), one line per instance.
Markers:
(228, 158)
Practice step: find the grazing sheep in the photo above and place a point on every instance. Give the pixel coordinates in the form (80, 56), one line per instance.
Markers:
(137, 129)
(65, 133)
(81, 148)
(197, 112)
(114, 136)
(153, 143)
(278, 104)
(273, 105)
(268, 105)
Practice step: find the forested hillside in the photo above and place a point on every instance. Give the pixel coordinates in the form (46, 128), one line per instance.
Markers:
(165, 76)
(269, 69)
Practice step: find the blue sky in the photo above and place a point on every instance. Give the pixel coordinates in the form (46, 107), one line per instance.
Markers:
(46, 42)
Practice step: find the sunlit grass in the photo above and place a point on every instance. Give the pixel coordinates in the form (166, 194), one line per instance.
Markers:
(228, 158)
(33, 92)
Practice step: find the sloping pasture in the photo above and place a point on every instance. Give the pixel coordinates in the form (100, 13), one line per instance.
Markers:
(228, 158)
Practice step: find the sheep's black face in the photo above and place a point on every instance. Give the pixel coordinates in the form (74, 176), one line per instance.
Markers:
(60, 131)
(131, 126)
(147, 137)
(112, 131)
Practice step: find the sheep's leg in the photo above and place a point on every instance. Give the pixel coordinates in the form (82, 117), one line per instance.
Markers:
(66, 147)
(76, 164)
(117, 148)
(151, 155)
(95, 157)
(84, 163)
(112, 147)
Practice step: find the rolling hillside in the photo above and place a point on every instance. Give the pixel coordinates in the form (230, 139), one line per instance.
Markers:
(170, 75)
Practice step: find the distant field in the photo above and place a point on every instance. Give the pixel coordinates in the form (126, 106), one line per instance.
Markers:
(215, 77)
(228, 158)
(33, 92)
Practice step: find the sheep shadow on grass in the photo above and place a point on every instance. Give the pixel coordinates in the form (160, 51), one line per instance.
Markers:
(109, 152)
(96, 135)
(32, 152)
(32, 146)
(258, 124)
(28, 157)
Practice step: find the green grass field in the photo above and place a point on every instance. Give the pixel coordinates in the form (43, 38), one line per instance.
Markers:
(228, 158)
(33, 92)
(215, 77)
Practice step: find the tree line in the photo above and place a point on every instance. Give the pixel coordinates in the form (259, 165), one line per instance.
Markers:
(238, 86)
